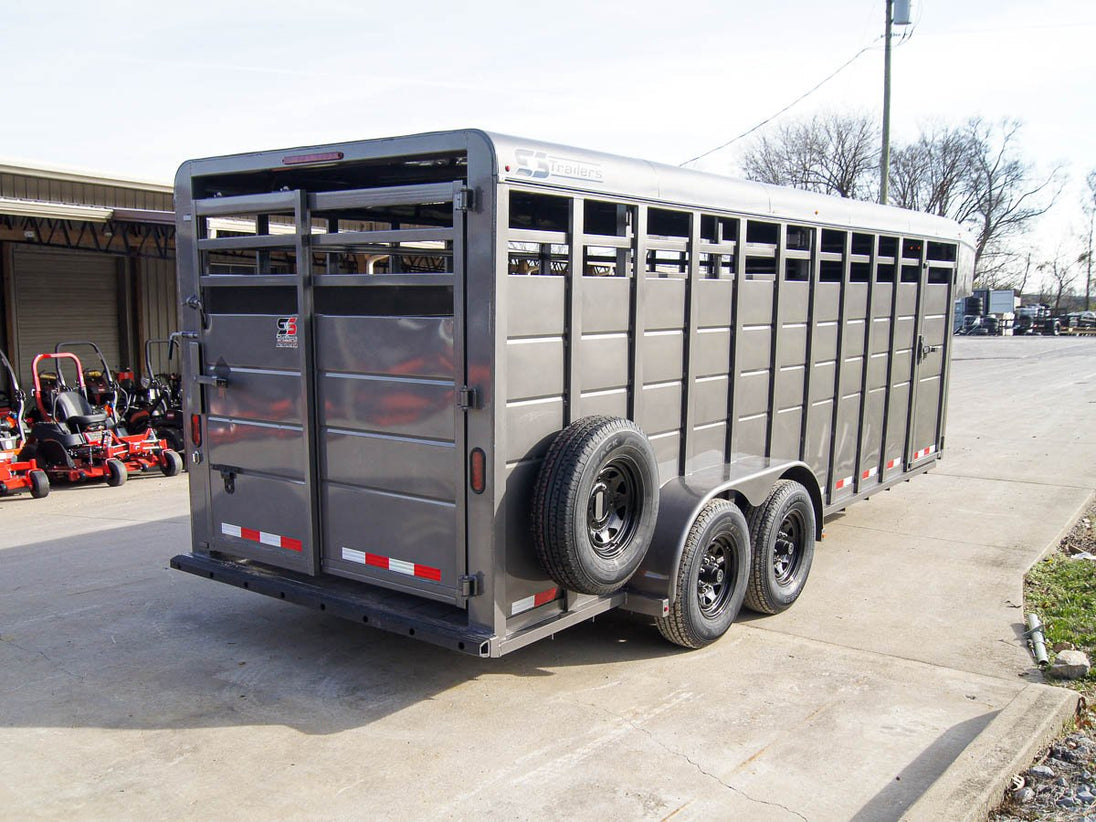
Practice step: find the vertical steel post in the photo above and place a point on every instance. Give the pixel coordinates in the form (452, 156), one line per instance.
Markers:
(884, 156)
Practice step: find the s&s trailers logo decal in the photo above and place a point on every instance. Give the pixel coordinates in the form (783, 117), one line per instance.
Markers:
(540, 165)
(286, 336)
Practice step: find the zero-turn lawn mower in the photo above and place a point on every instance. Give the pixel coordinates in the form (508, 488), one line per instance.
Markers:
(17, 472)
(158, 402)
(144, 450)
(75, 440)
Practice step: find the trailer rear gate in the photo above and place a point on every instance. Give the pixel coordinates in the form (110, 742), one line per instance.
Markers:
(381, 445)
(430, 298)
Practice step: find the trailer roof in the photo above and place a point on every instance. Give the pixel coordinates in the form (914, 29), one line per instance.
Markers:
(534, 162)
(521, 160)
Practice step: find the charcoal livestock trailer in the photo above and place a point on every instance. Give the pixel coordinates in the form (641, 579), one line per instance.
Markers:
(477, 389)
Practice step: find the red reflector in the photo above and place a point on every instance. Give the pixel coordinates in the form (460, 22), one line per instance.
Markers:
(196, 429)
(477, 470)
(320, 157)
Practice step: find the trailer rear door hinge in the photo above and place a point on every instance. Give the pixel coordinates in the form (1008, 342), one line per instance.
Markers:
(464, 199)
(470, 585)
(467, 398)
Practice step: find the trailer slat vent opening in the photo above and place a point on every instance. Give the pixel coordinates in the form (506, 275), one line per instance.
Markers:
(608, 261)
(833, 242)
(941, 252)
(863, 244)
(722, 233)
(939, 276)
(859, 272)
(797, 270)
(539, 259)
(243, 300)
(539, 212)
(830, 271)
(799, 238)
(539, 256)
(667, 243)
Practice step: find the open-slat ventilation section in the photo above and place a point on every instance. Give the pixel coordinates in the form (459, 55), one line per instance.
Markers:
(385, 231)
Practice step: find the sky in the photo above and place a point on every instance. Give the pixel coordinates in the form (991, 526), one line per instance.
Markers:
(134, 88)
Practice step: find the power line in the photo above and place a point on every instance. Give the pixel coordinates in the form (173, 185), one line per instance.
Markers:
(798, 99)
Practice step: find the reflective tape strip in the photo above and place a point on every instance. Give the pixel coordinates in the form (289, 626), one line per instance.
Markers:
(924, 452)
(399, 566)
(868, 474)
(528, 603)
(892, 463)
(843, 483)
(262, 537)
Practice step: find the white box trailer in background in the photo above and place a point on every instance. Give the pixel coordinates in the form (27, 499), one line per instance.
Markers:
(476, 389)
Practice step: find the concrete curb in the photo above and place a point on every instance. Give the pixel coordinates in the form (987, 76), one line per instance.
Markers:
(1052, 546)
(974, 784)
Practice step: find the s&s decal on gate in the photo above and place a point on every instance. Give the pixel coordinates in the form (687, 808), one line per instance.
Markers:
(540, 165)
(286, 336)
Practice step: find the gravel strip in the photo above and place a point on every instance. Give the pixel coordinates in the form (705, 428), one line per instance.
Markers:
(1062, 784)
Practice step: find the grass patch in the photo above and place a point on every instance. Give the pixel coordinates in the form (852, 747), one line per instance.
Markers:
(1062, 591)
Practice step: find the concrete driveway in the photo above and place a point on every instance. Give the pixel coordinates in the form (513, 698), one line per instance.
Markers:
(130, 691)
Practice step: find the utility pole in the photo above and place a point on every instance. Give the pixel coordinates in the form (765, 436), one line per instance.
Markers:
(898, 14)
(884, 155)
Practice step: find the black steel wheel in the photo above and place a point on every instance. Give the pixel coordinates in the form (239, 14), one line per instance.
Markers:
(595, 504)
(117, 474)
(170, 462)
(782, 531)
(711, 579)
(613, 512)
(39, 483)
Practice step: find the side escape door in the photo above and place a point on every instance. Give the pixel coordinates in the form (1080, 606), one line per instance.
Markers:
(332, 382)
(930, 352)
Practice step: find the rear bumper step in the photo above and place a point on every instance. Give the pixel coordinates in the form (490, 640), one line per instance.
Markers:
(392, 611)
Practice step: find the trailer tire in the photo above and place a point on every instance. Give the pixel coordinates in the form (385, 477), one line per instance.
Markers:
(782, 536)
(39, 483)
(595, 504)
(712, 577)
(170, 462)
(117, 473)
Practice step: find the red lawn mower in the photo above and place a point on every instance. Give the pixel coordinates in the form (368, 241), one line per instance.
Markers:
(77, 440)
(17, 472)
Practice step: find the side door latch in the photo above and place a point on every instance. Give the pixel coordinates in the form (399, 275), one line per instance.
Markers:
(467, 398)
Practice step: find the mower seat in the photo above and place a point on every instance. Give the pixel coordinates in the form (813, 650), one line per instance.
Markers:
(73, 408)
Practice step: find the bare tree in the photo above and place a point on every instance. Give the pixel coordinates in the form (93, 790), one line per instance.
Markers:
(973, 173)
(1009, 267)
(830, 153)
(935, 173)
(1087, 254)
(1008, 194)
(1060, 277)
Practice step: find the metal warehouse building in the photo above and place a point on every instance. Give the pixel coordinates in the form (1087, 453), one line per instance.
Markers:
(84, 257)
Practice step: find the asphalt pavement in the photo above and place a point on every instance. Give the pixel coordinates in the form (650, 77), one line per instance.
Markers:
(899, 683)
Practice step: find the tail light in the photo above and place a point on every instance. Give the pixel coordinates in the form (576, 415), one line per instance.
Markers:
(477, 470)
(196, 429)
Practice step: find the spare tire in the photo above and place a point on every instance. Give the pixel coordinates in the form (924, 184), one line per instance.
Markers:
(595, 504)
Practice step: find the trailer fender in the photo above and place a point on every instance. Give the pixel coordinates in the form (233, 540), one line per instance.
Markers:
(745, 481)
